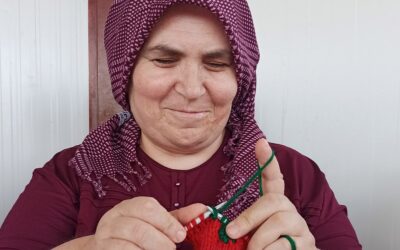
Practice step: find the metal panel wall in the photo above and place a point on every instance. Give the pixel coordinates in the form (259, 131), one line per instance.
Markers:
(43, 86)
(329, 86)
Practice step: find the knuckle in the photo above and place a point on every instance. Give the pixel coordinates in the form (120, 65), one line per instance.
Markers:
(118, 209)
(111, 214)
(102, 231)
(265, 175)
(104, 228)
(274, 199)
(294, 221)
(141, 207)
(281, 202)
(138, 207)
(280, 219)
(150, 204)
(297, 222)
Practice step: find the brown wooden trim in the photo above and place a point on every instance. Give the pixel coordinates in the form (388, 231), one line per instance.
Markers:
(101, 101)
(93, 65)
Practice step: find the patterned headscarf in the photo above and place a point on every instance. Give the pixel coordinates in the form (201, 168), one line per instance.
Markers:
(110, 149)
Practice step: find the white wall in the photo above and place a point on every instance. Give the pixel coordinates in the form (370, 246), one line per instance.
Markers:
(328, 85)
(43, 86)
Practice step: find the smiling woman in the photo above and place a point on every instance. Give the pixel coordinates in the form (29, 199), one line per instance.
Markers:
(188, 94)
(184, 73)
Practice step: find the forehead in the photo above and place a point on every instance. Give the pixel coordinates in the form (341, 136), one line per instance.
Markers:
(187, 25)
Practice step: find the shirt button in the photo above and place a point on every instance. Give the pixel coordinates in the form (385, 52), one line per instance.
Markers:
(176, 204)
(177, 184)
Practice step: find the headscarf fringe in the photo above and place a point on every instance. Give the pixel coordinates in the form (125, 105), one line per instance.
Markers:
(110, 150)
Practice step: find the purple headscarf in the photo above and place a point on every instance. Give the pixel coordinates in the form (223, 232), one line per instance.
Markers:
(110, 150)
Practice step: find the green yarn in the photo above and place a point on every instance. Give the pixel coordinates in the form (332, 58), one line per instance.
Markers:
(224, 221)
(222, 230)
(247, 184)
(291, 241)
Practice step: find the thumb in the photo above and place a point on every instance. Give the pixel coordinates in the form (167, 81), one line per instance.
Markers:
(185, 214)
(272, 178)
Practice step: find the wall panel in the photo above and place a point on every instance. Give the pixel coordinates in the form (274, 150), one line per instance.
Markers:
(43, 86)
(329, 86)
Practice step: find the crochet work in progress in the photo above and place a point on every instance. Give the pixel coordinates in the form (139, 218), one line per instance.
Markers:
(205, 236)
(208, 231)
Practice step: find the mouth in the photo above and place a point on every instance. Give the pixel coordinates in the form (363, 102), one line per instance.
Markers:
(189, 114)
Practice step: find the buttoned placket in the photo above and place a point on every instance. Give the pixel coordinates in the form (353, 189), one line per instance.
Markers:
(178, 190)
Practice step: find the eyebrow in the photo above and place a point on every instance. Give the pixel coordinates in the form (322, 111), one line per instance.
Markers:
(219, 53)
(168, 50)
(165, 49)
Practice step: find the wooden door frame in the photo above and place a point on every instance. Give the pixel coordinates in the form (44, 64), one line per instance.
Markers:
(101, 101)
(93, 62)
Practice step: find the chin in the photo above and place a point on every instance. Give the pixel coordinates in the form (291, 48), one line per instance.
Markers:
(193, 138)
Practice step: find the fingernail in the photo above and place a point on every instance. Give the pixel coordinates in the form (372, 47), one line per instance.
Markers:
(232, 229)
(180, 235)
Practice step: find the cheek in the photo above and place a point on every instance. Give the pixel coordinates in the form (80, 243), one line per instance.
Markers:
(150, 87)
(146, 94)
(224, 93)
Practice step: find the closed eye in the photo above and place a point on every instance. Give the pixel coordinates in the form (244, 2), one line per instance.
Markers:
(217, 65)
(164, 62)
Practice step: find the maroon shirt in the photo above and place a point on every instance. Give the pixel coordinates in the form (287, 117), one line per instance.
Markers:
(57, 205)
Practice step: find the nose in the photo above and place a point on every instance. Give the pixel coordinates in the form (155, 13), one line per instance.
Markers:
(190, 83)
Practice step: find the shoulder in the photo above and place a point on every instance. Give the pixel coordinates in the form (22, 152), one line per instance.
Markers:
(301, 174)
(49, 205)
(291, 160)
(58, 173)
(59, 161)
(62, 157)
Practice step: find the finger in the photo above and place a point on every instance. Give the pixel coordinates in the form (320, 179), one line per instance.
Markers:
(136, 232)
(272, 178)
(149, 210)
(185, 214)
(280, 223)
(257, 213)
(263, 151)
(283, 244)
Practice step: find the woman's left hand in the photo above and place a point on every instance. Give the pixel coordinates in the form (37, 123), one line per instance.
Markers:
(272, 215)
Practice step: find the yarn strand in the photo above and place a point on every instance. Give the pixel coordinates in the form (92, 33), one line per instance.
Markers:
(217, 213)
(247, 184)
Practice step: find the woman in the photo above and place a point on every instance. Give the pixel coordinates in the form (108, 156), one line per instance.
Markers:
(185, 74)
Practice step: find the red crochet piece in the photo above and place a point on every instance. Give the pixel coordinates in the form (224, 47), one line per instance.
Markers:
(204, 236)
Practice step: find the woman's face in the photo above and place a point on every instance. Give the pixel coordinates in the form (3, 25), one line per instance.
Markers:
(184, 81)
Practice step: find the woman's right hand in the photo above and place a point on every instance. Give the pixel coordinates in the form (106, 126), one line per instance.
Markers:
(138, 223)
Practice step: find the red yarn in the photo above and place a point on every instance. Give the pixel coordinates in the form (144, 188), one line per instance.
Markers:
(204, 236)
